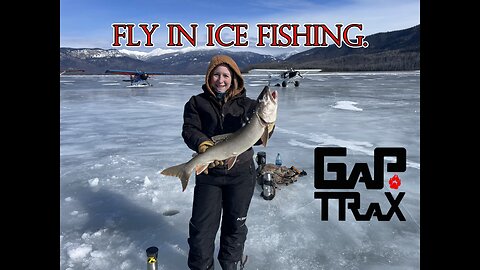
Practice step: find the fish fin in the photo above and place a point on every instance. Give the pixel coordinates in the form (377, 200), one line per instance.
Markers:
(200, 168)
(180, 172)
(231, 161)
(220, 138)
(264, 137)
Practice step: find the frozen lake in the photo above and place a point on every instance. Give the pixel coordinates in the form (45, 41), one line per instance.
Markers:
(114, 141)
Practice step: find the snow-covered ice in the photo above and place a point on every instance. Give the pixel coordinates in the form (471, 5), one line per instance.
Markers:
(114, 203)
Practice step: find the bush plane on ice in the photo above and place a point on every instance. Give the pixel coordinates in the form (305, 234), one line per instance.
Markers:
(284, 77)
(137, 78)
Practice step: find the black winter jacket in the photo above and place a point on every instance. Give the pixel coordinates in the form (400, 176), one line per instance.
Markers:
(205, 116)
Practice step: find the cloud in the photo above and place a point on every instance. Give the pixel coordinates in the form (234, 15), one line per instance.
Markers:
(376, 17)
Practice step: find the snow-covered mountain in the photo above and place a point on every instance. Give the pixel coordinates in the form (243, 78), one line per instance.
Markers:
(189, 60)
(158, 52)
(286, 55)
(394, 50)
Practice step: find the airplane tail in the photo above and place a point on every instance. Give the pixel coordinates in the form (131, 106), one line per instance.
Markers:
(179, 171)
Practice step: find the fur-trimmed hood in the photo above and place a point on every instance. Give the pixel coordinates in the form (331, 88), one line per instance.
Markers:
(225, 59)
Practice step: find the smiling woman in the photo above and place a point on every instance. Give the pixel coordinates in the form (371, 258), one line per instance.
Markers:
(221, 79)
(222, 125)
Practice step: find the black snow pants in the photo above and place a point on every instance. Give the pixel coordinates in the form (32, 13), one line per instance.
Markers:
(220, 191)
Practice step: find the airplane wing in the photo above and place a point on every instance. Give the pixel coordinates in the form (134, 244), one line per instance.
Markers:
(132, 72)
(121, 72)
(156, 73)
(266, 70)
(309, 71)
(283, 70)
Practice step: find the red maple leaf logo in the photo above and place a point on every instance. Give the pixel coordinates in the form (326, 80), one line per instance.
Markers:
(395, 182)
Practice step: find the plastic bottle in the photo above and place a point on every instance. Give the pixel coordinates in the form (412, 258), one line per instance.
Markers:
(278, 160)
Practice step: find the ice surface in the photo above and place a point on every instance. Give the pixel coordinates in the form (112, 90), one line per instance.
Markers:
(114, 141)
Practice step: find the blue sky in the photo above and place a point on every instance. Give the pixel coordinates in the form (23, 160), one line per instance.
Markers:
(88, 23)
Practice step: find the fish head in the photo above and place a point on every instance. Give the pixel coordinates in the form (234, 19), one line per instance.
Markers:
(267, 105)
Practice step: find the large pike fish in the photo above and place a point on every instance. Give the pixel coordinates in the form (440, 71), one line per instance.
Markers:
(229, 146)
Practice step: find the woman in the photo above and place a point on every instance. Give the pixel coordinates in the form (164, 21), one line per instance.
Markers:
(219, 194)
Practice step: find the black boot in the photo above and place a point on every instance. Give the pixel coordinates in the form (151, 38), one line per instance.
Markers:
(234, 265)
(229, 265)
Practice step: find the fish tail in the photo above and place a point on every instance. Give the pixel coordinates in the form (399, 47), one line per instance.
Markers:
(179, 171)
